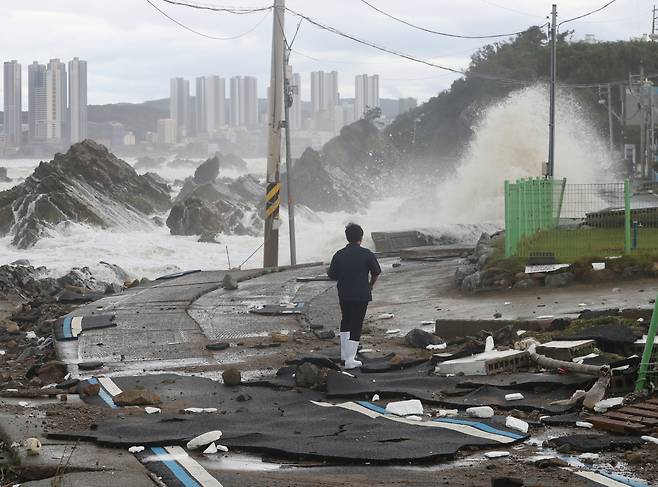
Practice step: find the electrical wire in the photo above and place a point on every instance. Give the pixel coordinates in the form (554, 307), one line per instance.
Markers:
(430, 31)
(409, 57)
(588, 13)
(214, 8)
(201, 33)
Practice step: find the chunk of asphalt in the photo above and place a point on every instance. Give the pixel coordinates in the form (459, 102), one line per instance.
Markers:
(92, 365)
(68, 383)
(204, 440)
(217, 346)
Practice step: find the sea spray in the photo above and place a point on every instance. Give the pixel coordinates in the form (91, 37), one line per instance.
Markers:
(511, 142)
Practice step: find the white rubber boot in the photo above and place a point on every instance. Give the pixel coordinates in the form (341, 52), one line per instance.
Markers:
(344, 337)
(350, 360)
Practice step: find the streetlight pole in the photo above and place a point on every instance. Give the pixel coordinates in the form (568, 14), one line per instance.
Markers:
(287, 100)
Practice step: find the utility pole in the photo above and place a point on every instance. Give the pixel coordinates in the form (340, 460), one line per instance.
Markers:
(273, 191)
(289, 93)
(643, 128)
(612, 141)
(551, 114)
(653, 25)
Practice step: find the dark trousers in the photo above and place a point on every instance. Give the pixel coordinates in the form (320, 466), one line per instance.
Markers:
(353, 314)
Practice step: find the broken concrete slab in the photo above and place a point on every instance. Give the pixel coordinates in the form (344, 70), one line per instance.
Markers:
(566, 349)
(611, 338)
(485, 363)
(592, 442)
(70, 327)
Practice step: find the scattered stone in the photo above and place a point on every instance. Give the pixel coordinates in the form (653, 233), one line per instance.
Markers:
(316, 326)
(279, 337)
(584, 424)
(604, 405)
(136, 449)
(217, 346)
(229, 283)
(550, 462)
(212, 448)
(480, 412)
(52, 372)
(310, 375)
(200, 410)
(516, 424)
(393, 331)
(496, 454)
(136, 397)
(385, 316)
(516, 396)
(232, 377)
(588, 458)
(152, 410)
(559, 280)
(12, 328)
(497, 315)
(92, 365)
(243, 398)
(325, 334)
(30, 335)
(395, 265)
(375, 398)
(405, 408)
(222, 448)
(421, 339)
(90, 390)
(204, 440)
(32, 446)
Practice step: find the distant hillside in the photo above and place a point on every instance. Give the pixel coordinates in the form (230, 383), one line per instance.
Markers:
(136, 117)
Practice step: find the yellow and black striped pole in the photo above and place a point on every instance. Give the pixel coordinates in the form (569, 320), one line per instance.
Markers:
(275, 118)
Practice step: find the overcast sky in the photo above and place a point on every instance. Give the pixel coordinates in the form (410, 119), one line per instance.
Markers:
(132, 50)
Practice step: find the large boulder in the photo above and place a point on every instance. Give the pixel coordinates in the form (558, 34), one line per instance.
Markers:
(87, 185)
(207, 172)
(196, 216)
(3, 175)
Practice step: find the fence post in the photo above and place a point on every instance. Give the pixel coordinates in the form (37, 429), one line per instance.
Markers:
(627, 217)
(648, 351)
(508, 227)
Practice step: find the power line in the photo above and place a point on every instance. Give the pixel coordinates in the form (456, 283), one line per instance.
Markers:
(201, 33)
(358, 40)
(588, 13)
(215, 8)
(445, 34)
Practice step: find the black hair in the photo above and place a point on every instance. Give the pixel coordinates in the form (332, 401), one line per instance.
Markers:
(353, 232)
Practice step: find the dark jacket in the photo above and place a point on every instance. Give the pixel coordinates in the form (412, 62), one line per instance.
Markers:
(351, 267)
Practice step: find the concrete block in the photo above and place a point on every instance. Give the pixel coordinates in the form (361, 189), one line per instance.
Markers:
(486, 363)
(405, 408)
(566, 349)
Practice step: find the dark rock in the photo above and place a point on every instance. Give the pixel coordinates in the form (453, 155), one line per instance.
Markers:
(559, 280)
(91, 365)
(316, 326)
(526, 283)
(472, 282)
(420, 338)
(136, 397)
(463, 271)
(243, 398)
(3, 175)
(217, 346)
(23, 262)
(207, 172)
(559, 324)
(311, 376)
(232, 377)
(86, 185)
(208, 238)
(229, 283)
(592, 442)
(195, 216)
(506, 482)
(52, 372)
(90, 390)
(497, 315)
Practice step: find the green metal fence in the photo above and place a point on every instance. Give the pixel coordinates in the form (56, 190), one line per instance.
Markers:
(548, 218)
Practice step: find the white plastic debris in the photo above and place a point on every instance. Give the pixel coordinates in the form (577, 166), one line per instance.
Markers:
(480, 412)
(200, 410)
(516, 424)
(367, 350)
(443, 413)
(584, 424)
(2, 352)
(212, 448)
(651, 439)
(640, 320)
(30, 335)
(582, 304)
(405, 408)
(414, 417)
(521, 332)
(611, 402)
(427, 322)
(598, 266)
(393, 331)
(496, 454)
(489, 344)
(507, 303)
(589, 456)
(544, 317)
(375, 397)
(222, 448)
(24, 404)
(152, 410)
(33, 446)
(136, 449)
(204, 440)
(516, 396)
(438, 346)
(385, 316)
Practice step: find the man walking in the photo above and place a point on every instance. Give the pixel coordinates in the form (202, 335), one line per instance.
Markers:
(356, 269)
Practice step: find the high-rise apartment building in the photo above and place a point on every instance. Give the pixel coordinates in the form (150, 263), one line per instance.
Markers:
(167, 131)
(77, 100)
(244, 101)
(366, 94)
(36, 102)
(179, 105)
(296, 119)
(324, 99)
(210, 102)
(12, 103)
(56, 111)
